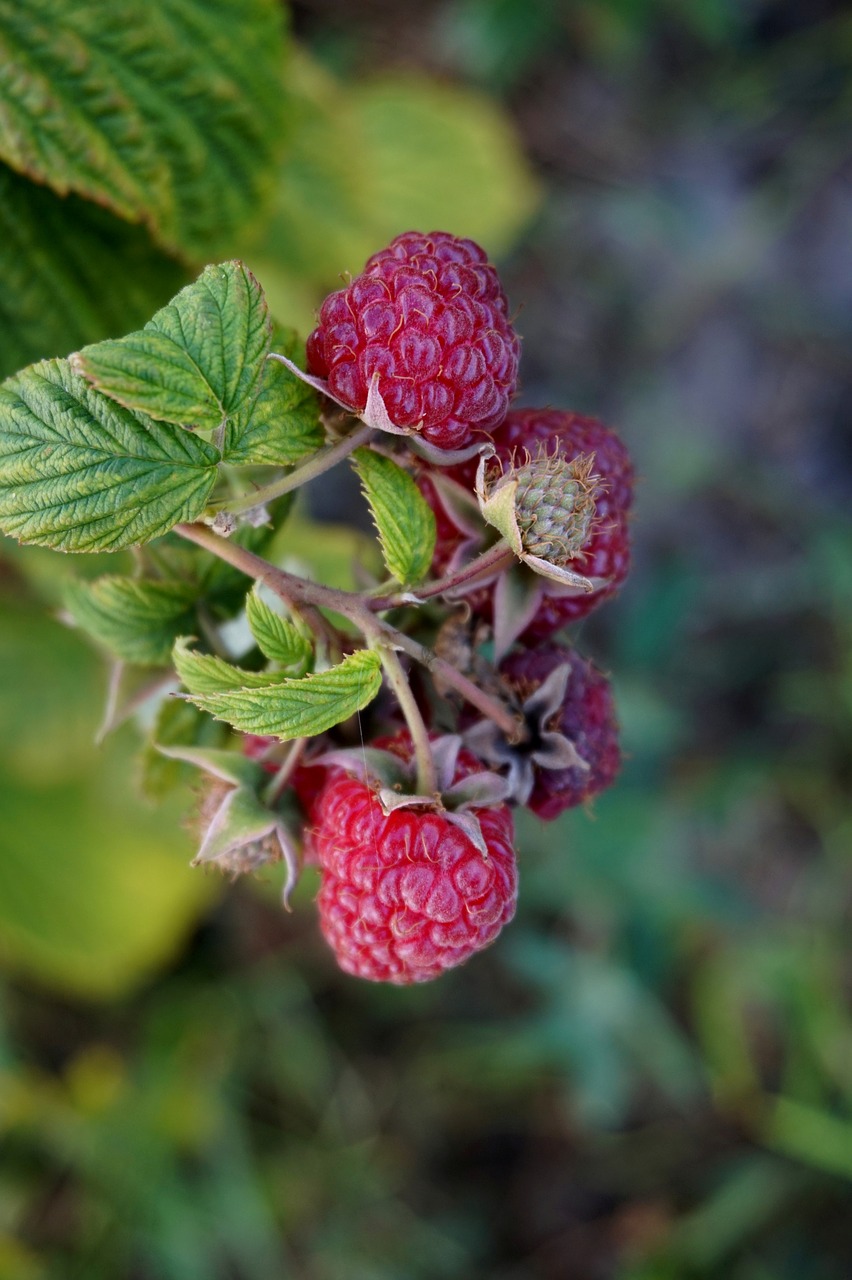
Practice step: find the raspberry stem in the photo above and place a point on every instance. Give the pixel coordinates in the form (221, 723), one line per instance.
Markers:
(427, 777)
(323, 460)
(299, 592)
(282, 777)
(488, 564)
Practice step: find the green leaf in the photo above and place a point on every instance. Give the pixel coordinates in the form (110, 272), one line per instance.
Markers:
(72, 273)
(136, 619)
(282, 425)
(403, 518)
(167, 112)
(300, 708)
(80, 473)
(197, 361)
(279, 639)
(205, 673)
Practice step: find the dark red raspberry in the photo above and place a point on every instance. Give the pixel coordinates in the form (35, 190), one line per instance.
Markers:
(429, 315)
(586, 718)
(407, 895)
(607, 552)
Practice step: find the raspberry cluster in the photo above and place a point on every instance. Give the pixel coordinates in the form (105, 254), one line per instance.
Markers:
(532, 535)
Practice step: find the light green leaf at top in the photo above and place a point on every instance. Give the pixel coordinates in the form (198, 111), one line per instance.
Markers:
(277, 638)
(444, 158)
(367, 161)
(168, 112)
(80, 473)
(282, 424)
(197, 361)
(404, 520)
(136, 619)
(297, 708)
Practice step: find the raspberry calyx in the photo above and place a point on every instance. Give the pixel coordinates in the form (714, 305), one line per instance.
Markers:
(572, 751)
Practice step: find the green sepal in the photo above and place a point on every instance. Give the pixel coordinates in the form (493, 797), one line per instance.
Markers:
(228, 766)
(177, 723)
(402, 516)
(498, 505)
(243, 836)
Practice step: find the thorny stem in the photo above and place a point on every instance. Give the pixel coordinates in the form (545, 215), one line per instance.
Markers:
(282, 777)
(427, 777)
(298, 592)
(490, 562)
(322, 461)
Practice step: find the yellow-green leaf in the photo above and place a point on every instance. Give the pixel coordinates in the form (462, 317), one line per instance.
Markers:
(296, 708)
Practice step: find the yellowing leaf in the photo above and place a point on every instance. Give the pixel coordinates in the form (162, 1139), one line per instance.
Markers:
(165, 111)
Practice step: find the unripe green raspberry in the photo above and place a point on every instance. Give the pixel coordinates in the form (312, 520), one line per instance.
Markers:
(544, 507)
(554, 504)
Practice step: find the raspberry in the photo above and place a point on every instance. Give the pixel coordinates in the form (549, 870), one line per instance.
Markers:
(607, 551)
(407, 895)
(429, 316)
(586, 718)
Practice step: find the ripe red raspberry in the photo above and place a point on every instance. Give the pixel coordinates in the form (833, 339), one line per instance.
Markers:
(429, 316)
(407, 895)
(586, 718)
(607, 551)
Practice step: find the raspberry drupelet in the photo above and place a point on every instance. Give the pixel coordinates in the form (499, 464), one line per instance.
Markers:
(429, 317)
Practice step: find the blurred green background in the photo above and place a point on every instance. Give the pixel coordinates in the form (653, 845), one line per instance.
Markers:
(649, 1077)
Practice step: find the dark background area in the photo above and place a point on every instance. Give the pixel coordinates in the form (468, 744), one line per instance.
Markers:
(648, 1077)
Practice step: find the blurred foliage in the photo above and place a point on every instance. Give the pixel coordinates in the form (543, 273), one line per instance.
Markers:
(648, 1077)
(372, 158)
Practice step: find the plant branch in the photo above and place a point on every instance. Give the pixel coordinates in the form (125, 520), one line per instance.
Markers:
(486, 565)
(322, 461)
(299, 592)
(282, 777)
(427, 777)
